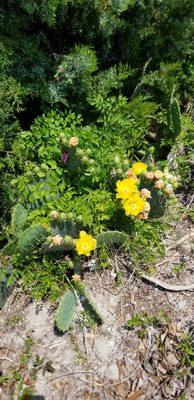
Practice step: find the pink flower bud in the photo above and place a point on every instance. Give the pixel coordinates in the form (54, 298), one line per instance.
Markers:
(145, 194)
(64, 157)
(169, 189)
(149, 175)
(56, 240)
(54, 214)
(158, 174)
(142, 216)
(159, 184)
(73, 141)
(146, 207)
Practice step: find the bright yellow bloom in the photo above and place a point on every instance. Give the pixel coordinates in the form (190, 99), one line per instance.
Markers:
(126, 187)
(85, 244)
(139, 168)
(134, 205)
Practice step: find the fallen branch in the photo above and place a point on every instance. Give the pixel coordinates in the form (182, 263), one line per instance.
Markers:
(167, 286)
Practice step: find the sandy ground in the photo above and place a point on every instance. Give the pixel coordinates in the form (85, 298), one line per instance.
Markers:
(110, 361)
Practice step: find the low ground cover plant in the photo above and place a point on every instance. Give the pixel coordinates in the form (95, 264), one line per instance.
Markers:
(73, 203)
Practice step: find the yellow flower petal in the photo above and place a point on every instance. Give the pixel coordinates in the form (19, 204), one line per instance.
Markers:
(85, 244)
(139, 168)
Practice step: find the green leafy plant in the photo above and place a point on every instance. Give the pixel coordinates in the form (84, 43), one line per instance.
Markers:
(143, 319)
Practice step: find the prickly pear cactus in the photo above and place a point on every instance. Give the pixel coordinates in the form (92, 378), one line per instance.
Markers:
(66, 229)
(87, 304)
(66, 311)
(174, 115)
(157, 203)
(111, 237)
(31, 238)
(18, 220)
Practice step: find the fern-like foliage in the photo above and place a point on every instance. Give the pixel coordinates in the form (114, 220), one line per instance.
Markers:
(66, 311)
(19, 217)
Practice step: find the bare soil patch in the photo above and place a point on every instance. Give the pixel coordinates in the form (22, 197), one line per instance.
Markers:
(111, 361)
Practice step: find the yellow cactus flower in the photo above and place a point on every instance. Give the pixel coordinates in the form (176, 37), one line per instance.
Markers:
(139, 168)
(126, 187)
(85, 244)
(134, 205)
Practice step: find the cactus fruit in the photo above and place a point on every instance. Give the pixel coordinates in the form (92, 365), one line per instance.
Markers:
(111, 237)
(66, 311)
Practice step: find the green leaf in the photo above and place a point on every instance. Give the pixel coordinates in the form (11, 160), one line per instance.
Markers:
(19, 217)
(66, 311)
(41, 174)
